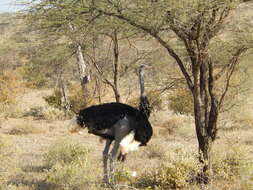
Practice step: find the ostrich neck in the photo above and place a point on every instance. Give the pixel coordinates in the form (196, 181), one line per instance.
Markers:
(141, 78)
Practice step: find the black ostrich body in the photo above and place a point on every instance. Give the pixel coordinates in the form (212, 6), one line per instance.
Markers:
(99, 119)
(127, 126)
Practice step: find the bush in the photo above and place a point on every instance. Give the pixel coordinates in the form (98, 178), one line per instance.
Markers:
(66, 153)
(75, 98)
(52, 113)
(33, 76)
(11, 85)
(232, 163)
(155, 151)
(67, 163)
(35, 112)
(10, 110)
(172, 125)
(181, 102)
(68, 176)
(154, 98)
(122, 175)
(54, 100)
(175, 175)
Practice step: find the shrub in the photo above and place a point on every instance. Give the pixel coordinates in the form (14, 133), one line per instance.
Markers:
(154, 98)
(181, 102)
(11, 85)
(172, 125)
(52, 113)
(174, 175)
(75, 98)
(121, 175)
(68, 176)
(178, 169)
(54, 100)
(33, 75)
(35, 112)
(67, 163)
(155, 151)
(232, 163)
(65, 153)
(10, 110)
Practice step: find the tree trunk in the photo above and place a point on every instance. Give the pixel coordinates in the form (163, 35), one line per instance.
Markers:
(206, 114)
(116, 94)
(65, 101)
(204, 144)
(82, 68)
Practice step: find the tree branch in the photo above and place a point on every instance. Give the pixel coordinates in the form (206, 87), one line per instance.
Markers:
(232, 65)
(160, 40)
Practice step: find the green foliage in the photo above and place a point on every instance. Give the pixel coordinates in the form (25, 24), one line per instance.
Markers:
(154, 98)
(174, 175)
(68, 163)
(64, 152)
(34, 75)
(68, 176)
(54, 100)
(11, 85)
(181, 102)
(121, 175)
(75, 98)
(232, 163)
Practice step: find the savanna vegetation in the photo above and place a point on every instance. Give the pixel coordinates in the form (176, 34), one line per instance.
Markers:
(57, 57)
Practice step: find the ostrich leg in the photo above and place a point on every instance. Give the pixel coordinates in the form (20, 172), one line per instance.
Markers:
(105, 160)
(113, 156)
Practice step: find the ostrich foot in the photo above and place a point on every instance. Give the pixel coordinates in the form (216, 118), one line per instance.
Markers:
(121, 157)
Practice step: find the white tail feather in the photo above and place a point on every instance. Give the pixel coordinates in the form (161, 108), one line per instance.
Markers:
(128, 143)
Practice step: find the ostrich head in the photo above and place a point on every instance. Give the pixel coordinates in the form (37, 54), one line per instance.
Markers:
(76, 124)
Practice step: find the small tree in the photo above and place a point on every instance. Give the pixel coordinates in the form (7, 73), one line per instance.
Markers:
(54, 18)
(197, 26)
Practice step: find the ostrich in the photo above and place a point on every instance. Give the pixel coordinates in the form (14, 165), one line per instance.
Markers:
(127, 126)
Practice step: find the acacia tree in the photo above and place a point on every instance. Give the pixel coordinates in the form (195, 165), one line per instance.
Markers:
(197, 25)
(54, 18)
(84, 28)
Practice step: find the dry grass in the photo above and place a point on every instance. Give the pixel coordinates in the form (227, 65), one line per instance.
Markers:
(168, 162)
(24, 129)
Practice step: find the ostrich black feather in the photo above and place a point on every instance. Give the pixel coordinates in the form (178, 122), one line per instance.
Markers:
(99, 118)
